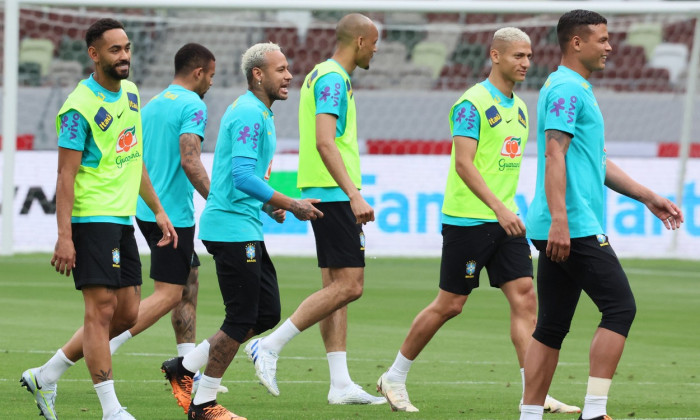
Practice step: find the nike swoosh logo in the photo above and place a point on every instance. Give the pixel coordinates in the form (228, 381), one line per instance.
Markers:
(37, 384)
(509, 120)
(120, 114)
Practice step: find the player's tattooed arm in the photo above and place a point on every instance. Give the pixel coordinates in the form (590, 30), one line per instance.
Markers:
(304, 209)
(190, 159)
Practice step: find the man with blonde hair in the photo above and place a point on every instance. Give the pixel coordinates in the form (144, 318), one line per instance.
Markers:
(231, 230)
(329, 169)
(480, 224)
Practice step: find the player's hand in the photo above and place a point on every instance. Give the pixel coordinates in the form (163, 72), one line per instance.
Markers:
(511, 223)
(666, 210)
(559, 242)
(169, 234)
(278, 215)
(64, 256)
(304, 209)
(361, 209)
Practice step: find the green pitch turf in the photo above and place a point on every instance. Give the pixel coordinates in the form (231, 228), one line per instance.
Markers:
(468, 371)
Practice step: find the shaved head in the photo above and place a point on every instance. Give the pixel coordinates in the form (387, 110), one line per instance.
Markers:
(352, 26)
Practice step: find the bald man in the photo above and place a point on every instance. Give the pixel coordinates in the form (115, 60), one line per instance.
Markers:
(329, 169)
(480, 223)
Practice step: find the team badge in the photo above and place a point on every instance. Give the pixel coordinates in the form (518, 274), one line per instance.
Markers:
(493, 117)
(602, 240)
(511, 147)
(103, 119)
(133, 101)
(127, 139)
(471, 269)
(362, 241)
(116, 257)
(250, 252)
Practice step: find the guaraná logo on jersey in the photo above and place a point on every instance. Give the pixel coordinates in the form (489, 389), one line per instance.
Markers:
(471, 269)
(602, 240)
(250, 252)
(493, 117)
(116, 258)
(133, 101)
(127, 139)
(511, 147)
(362, 241)
(103, 119)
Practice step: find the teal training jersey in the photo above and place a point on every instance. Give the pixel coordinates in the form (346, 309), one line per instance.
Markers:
(331, 97)
(247, 130)
(467, 123)
(567, 104)
(171, 113)
(75, 134)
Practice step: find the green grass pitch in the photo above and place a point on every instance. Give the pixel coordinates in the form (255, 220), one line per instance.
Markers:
(468, 371)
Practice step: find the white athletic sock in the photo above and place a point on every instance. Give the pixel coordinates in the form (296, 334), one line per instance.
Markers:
(108, 398)
(117, 341)
(280, 337)
(531, 412)
(54, 368)
(399, 370)
(522, 379)
(184, 348)
(596, 401)
(207, 390)
(338, 365)
(194, 360)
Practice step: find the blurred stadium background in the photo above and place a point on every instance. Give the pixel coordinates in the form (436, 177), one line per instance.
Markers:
(425, 60)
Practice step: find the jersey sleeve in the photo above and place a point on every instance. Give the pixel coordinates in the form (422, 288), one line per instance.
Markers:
(74, 131)
(194, 119)
(330, 94)
(245, 132)
(564, 103)
(466, 121)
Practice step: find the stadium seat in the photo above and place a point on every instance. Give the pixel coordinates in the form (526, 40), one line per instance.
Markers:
(644, 34)
(65, 73)
(431, 55)
(672, 57)
(39, 51)
(454, 77)
(416, 77)
(29, 74)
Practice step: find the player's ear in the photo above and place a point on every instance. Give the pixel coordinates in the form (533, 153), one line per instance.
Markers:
(92, 53)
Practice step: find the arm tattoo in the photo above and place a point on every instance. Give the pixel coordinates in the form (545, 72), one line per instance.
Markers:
(103, 376)
(560, 137)
(190, 152)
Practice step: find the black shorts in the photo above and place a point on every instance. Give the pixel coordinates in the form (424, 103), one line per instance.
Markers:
(168, 264)
(593, 267)
(105, 255)
(248, 284)
(467, 249)
(340, 241)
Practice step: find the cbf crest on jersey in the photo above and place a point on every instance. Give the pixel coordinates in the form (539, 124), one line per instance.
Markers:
(493, 116)
(471, 269)
(362, 241)
(250, 252)
(116, 258)
(311, 79)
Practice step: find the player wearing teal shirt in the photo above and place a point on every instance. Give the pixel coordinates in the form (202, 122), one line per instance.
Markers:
(100, 175)
(331, 97)
(565, 220)
(231, 230)
(329, 168)
(173, 130)
(481, 228)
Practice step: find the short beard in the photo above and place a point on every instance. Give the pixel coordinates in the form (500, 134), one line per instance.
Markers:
(112, 72)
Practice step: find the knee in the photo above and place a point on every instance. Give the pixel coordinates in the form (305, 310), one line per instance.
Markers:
(124, 322)
(619, 319)
(353, 291)
(451, 308)
(267, 322)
